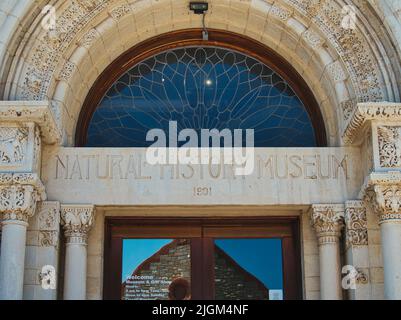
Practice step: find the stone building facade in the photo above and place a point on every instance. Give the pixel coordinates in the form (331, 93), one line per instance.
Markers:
(56, 195)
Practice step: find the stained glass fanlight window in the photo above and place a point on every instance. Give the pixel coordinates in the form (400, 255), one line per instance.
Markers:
(200, 88)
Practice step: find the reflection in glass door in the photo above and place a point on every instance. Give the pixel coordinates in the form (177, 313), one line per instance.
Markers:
(185, 259)
(248, 269)
(156, 269)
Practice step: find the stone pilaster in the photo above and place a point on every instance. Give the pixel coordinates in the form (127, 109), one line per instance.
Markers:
(356, 231)
(328, 221)
(24, 126)
(77, 220)
(357, 251)
(383, 192)
(42, 252)
(378, 126)
(19, 193)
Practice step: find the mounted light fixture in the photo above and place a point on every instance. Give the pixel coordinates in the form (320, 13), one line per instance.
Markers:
(201, 8)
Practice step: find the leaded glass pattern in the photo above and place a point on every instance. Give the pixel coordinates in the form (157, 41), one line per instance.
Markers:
(200, 88)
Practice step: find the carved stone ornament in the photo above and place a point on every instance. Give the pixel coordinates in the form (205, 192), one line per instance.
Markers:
(49, 216)
(77, 221)
(13, 143)
(38, 112)
(356, 224)
(48, 221)
(362, 276)
(46, 51)
(389, 138)
(328, 220)
(312, 38)
(19, 194)
(366, 112)
(48, 238)
(383, 192)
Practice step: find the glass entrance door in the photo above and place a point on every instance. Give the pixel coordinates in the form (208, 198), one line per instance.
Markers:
(254, 259)
(248, 269)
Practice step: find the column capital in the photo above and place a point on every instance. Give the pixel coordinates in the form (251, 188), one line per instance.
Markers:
(328, 220)
(19, 193)
(368, 112)
(38, 112)
(77, 220)
(383, 192)
(356, 225)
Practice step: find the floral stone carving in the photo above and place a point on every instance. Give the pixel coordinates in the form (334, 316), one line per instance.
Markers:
(19, 194)
(356, 224)
(328, 220)
(389, 138)
(77, 221)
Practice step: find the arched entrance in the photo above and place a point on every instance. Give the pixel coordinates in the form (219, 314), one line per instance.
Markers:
(46, 76)
(229, 81)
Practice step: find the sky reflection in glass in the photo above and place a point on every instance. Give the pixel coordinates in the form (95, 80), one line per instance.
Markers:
(200, 88)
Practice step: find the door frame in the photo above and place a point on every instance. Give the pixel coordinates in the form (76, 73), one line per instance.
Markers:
(201, 231)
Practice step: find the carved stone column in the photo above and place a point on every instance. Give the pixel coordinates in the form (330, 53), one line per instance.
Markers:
(383, 193)
(77, 221)
(378, 127)
(19, 193)
(328, 220)
(24, 126)
(357, 251)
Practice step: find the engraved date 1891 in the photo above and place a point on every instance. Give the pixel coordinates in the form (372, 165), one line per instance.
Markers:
(202, 191)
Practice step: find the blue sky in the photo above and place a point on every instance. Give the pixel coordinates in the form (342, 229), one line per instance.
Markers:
(135, 251)
(260, 257)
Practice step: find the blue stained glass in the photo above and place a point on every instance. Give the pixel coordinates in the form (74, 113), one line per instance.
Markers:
(200, 88)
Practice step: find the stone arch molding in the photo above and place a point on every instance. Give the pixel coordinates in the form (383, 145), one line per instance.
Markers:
(341, 66)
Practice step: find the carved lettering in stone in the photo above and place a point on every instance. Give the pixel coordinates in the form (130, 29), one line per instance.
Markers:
(13, 143)
(389, 138)
(356, 224)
